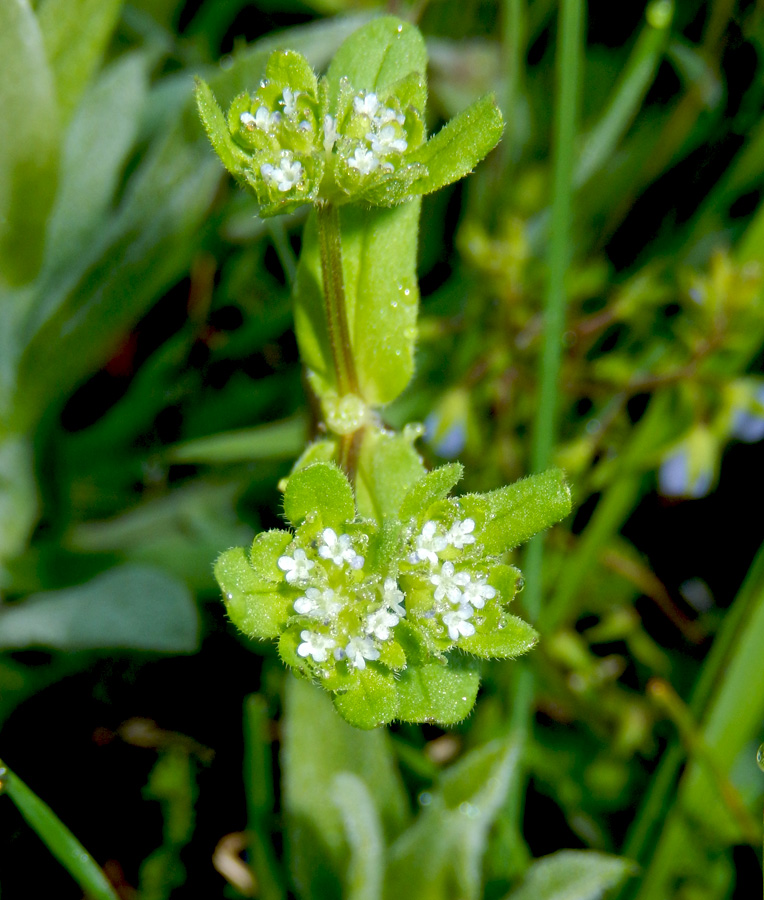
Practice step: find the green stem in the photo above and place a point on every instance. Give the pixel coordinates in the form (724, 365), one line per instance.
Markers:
(566, 115)
(330, 243)
(57, 837)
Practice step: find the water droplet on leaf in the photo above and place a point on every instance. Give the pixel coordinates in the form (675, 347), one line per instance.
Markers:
(760, 757)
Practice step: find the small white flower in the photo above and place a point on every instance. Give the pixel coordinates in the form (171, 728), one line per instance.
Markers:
(339, 549)
(284, 176)
(449, 583)
(366, 105)
(457, 624)
(428, 544)
(296, 567)
(248, 120)
(364, 161)
(380, 622)
(317, 604)
(330, 133)
(385, 141)
(477, 592)
(316, 645)
(289, 101)
(385, 115)
(460, 533)
(393, 597)
(359, 649)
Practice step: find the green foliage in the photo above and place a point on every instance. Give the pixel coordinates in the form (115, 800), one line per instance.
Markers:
(573, 875)
(371, 626)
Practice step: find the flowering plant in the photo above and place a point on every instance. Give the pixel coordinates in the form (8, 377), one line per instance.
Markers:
(388, 590)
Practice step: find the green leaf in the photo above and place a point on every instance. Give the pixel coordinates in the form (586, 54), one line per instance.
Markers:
(286, 68)
(231, 155)
(373, 701)
(459, 146)
(276, 440)
(19, 505)
(363, 832)
(319, 488)
(440, 855)
(573, 875)
(388, 466)
(253, 604)
(267, 547)
(377, 56)
(439, 693)
(317, 745)
(433, 486)
(520, 510)
(57, 837)
(76, 34)
(381, 299)
(95, 149)
(128, 607)
(515, 638)
(29, 149)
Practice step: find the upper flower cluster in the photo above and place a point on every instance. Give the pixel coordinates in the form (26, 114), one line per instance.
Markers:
(292, 143)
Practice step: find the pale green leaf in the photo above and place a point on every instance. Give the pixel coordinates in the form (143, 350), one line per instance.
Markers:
(363, 832)
(253, 604)
(29, 148)
(433, 486)
(373, 701)
(573, 875)
(515, 638)
(19, 504)
(377, 56)
(388, 466)
(522, 509)
(459, 146)
(128, 607)
(98, 140)
(317, 745)
(441, 854)
(76, 34)
(439, 693)
(319, 488)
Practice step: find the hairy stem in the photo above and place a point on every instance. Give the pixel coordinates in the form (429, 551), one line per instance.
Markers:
(328, 218)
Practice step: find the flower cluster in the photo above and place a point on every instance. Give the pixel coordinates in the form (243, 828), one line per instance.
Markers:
(291, 145)
(372, 608)
(347, 614)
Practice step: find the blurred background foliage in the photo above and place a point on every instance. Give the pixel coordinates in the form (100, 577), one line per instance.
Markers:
(151, 398)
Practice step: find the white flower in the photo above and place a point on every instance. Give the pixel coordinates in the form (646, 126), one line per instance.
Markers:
(317, 604)
(289, 101)
(364, 161)
(385, 115)
(380, 622)
(393, 597)
(366, 106)
(296, 567)
(386, 142)
(330, 133)
(284, 176)
(428, 544)
(460, 533)
(449, 583)
(457, 624)
(359, 649)
(339, 549)
(248, 120)
(316, 645)
(477, 592)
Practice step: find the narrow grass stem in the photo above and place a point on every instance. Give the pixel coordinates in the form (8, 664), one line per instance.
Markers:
(328, 218)
(57, 837)
(566, 116)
